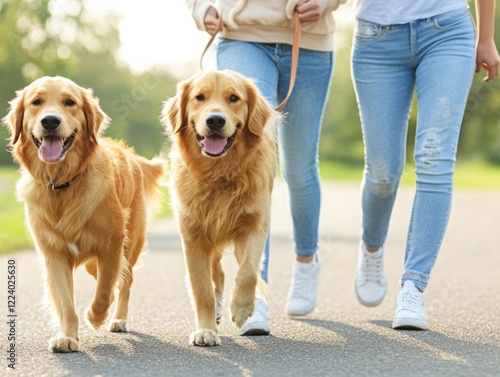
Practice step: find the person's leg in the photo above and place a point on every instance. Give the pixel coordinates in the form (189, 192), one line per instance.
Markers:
(299, 141)
(445, 52)
(383, 76)
(444, 77)
(256, 61)
(298, 145)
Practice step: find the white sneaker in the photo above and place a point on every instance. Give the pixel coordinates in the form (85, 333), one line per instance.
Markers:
(410, 310)
(370, 282)
(257, 323)
(303, 293)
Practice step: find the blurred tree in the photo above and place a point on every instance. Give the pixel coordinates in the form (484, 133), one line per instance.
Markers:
(54, 37)
(341, 138)
(480, 135)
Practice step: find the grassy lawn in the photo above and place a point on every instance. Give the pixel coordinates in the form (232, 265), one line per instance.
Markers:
(467, 175)
(13, 234)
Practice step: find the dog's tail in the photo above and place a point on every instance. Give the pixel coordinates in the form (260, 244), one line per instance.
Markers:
(153, 172)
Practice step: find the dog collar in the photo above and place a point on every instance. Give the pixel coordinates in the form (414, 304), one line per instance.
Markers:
(56, 188)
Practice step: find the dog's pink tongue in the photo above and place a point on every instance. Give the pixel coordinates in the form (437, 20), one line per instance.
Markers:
(51, 148)
(214, 144)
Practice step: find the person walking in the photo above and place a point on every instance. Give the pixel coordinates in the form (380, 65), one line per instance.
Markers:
(427, 46)
(256, 41)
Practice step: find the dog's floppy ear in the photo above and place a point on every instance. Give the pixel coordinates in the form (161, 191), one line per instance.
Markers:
(96, 119)
(14, 118)
(259, 110)
(173, 114)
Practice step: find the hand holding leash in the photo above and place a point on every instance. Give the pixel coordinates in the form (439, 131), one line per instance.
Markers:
(213, 25)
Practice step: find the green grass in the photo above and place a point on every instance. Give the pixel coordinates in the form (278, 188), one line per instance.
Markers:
(13, 234)
(474, 176)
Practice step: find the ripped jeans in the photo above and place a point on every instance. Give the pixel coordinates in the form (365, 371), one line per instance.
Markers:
(435, 57)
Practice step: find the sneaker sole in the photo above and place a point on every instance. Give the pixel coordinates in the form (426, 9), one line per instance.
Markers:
(256, 332)
(301, 313)
(409, 324)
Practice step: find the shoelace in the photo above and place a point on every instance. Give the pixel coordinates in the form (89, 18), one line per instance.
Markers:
(260, 308)
(300, 281)
(373, 269)
(410, 301)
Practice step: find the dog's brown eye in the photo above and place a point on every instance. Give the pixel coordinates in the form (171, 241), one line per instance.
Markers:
(200, 97)
(233, 98)
(69, 102)
(37, 102)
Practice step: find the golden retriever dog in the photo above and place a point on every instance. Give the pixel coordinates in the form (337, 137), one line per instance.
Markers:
(86, 199)
(223, 159)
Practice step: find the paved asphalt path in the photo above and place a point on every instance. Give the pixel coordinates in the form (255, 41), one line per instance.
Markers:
(340, 338)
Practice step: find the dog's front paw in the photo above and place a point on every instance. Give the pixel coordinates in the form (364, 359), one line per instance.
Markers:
(95, 320)
(117, 325)
(240, 313)
(204, 337)
(63, 344)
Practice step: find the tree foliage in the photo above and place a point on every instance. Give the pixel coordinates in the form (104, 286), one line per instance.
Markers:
(54, 37)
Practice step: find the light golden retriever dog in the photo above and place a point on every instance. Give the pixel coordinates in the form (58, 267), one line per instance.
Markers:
(222, 170)
(86, 199)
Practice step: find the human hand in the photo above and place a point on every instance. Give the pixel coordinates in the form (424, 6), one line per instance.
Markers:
(309, 11)
(211, 21)
(487, 58)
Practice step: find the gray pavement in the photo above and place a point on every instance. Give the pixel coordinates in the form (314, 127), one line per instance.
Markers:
(340, 338)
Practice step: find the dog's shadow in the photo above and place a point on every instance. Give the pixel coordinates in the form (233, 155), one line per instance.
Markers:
(138, 354)
(300, 347)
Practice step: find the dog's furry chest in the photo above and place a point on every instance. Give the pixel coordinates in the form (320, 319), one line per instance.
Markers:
(63, 221)
(220, 209)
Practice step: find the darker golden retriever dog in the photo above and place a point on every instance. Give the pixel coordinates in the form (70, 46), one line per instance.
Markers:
(86, 199)
(222, 169)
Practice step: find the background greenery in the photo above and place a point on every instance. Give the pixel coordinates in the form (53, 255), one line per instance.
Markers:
(39, 37)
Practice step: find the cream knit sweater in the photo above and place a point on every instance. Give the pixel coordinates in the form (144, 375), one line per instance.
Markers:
(268, 21)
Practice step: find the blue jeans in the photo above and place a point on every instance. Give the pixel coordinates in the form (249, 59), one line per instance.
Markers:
(298, 138)
(435, 56)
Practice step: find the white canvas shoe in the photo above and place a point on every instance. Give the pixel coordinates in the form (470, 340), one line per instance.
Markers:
(303, 293)
(370, 283)
(257, 323)
(410, 309)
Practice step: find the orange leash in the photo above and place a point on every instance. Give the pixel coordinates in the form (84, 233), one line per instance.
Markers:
(295, 61)
(212, 37)
(295, 56)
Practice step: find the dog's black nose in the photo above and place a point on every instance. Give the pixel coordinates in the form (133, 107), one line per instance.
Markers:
(51, 122)
(215, 121)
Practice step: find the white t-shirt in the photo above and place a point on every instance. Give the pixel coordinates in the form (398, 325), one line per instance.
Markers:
(390, 12)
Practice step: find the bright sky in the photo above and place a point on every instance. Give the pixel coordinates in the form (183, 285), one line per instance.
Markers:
(159, 32)
(156, 32)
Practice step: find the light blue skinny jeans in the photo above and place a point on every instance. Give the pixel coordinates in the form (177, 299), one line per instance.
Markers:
(298, 137)
(435, 56)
